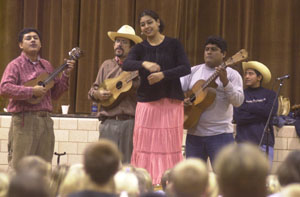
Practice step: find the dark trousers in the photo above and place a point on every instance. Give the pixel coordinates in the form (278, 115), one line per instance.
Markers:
(206, 146)
(121, 133)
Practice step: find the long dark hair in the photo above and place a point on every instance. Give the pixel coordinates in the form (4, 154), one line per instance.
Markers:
(155, 16)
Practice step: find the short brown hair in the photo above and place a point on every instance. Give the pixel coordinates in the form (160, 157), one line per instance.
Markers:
(101, 161)
(242, 169)
(190, 178)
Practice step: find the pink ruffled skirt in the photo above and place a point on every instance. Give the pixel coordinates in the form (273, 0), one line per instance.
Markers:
(157, 137)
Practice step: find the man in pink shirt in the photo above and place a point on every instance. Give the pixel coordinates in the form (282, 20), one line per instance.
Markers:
(31, 131)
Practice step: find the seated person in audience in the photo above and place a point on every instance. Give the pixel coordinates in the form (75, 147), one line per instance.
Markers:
(145, 180)
(4, 183)
(242, 170)
(74, 181)
(213, 187)
(165, 179)
(292, 190)
(101, 161)
(34, 163)
(289, 170)
(273, 185)
(189, 178)
(30, 184)
(127, 184)
(58, 175)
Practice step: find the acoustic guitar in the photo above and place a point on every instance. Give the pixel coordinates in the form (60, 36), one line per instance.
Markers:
(203, 93)
(118, 87)
(46, 80)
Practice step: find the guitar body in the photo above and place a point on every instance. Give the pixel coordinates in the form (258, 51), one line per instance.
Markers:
(193, 112)
(37, 81)
(46, 80)
(117, 86)
(203, 93)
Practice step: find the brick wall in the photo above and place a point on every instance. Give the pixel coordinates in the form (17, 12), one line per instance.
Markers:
(73, 134)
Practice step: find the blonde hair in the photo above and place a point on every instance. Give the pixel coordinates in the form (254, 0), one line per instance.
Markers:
(4, 183)
(273, 185)
(292, 190)
(213, 187)
(74, 180)
(190, 178)
(126, 182)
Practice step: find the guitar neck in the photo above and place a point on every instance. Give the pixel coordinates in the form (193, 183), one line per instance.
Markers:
(132, 76)
(212, 77)
(55, 73)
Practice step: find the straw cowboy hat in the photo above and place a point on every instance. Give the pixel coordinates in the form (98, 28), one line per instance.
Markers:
(125, 31)
(264, 71)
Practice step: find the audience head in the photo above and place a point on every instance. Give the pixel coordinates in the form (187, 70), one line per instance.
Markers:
(101, 161)
(189, 178)
(145, 180)
(126, 182)
(165, 179)
(73, 181)
(292, 190)
(273, 185)
(4, 183)
(28, 184)
(34, 163)
(57, 177)
(289, 170)
(242, 170)
(213, 187)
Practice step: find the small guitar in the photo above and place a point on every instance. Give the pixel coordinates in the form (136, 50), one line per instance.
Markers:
(203, 93)
(46, 80)
(118, 86)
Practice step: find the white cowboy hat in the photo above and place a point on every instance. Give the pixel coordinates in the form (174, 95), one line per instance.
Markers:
(264, 71)
(125, 31)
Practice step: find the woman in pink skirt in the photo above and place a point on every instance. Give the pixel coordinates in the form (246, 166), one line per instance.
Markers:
(158, 131)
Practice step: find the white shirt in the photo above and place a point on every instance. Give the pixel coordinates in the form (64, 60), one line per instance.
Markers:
(216, 119)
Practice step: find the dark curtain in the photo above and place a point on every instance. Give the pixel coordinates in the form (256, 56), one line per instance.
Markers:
(268, 29)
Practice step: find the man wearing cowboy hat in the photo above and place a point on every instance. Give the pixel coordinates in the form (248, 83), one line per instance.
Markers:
(117, 122)
(252, 115)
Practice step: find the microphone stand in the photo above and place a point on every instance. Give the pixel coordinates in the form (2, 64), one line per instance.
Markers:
(266, 129)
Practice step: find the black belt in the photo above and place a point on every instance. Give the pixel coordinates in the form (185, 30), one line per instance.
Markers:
(117, 117)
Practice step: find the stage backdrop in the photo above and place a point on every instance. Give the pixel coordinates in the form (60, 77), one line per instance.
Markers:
(268, 29)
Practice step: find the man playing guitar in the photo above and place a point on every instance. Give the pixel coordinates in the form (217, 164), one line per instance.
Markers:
(31, 131)
(214, 129)
(117, 121)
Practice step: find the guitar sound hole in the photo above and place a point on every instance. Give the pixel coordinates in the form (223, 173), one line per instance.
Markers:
(40, 83)
(119, 85)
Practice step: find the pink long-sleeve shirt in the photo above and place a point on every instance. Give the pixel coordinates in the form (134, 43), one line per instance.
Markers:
(21, 70)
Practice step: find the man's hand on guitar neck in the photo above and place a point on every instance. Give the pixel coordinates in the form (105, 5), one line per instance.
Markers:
(39, 91)
(222, 74)
(70, 67)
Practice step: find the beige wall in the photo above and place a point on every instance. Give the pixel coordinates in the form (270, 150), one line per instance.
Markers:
(73, 134)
